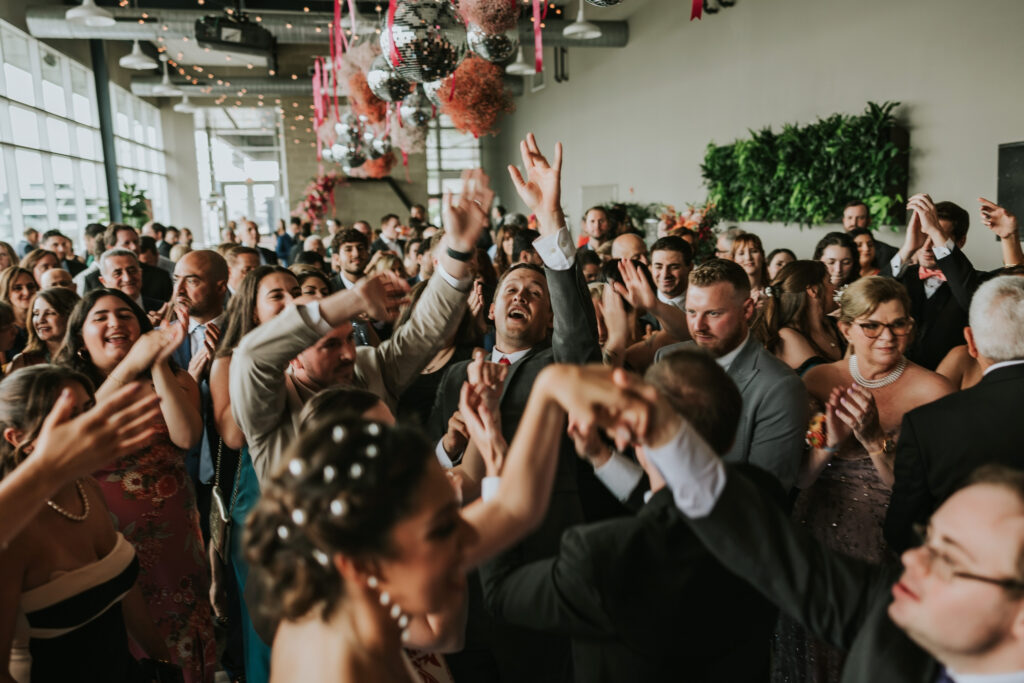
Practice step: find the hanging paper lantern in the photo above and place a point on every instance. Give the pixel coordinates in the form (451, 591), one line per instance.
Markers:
(416, 110)
(497, 48)
(385, 83)
(425, 42)
(433, 90)
(604, 3)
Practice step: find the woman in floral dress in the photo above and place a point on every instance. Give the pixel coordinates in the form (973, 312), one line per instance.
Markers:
(149, 492)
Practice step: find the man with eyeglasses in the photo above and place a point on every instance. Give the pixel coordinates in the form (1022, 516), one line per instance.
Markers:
(953, 612)
(942, 442)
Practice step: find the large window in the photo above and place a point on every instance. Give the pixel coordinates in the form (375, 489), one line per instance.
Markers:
(51, 158)
(449, 153)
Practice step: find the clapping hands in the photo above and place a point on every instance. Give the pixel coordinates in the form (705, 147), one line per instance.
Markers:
(541, 190)
(479, 406)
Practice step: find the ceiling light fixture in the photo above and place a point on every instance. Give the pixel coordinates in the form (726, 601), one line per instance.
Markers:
(185, 107)
(137, 59)
(581, 29)
(520, 67)
(88, 14)
(165, 88)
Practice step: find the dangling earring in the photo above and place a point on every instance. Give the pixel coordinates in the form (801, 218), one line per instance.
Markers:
(83, 354)
(395, 612)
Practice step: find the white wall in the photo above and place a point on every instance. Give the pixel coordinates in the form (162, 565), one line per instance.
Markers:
(640, 117)
(182, 171)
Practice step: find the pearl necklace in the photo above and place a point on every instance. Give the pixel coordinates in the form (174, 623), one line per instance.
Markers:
(877, 383)
(70, 515)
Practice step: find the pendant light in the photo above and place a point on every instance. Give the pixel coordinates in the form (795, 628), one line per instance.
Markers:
(581, 29)
(520, 67)
(137, 59)
(185, 107)
(165, 88)
(88, 14)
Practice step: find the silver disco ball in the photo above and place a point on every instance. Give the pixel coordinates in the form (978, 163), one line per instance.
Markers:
(352, 157)
(326, 154)
(416, 110)
(497, 48)
(349, 129)
(429, 38)
(433, 91)
(384, 82)
(381, 146)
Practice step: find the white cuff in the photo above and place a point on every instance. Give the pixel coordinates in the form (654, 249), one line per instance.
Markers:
(691, 469)
(896, 264)
(461, 285)
(489, 488)
(315, 320)
(557, 251)
(620, 475)
(943, 250)
(442, 456)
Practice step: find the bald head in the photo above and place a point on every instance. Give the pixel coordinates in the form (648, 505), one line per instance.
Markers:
(57, 277)
(629, 247)
(200, 281)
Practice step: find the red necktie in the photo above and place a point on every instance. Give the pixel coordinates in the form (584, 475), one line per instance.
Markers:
(925, 273)
(504, 361)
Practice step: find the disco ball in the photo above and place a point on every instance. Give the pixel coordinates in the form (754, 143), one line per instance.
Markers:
(384, 82)
(604, 3)
(381, 146)
(337, 151)
(326, 154)
(497, 48)
(432, 90)
(429, 38)
(352, 157)
(416, 110)
(349, 129)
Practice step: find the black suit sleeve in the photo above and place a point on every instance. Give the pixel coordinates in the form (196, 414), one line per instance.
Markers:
(829, 593)
(557, 595)
(574, 339)
(960, 275)
(911, 501)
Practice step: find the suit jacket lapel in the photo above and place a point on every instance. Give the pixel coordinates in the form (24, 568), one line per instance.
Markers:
(744, 366)
(514, 368)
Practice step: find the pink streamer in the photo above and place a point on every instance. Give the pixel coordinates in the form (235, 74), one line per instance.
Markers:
(396, 58)
(538, 40)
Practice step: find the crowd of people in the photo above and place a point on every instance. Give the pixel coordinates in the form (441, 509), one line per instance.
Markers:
(488, 451)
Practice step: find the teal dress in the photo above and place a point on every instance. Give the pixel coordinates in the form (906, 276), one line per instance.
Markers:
(257, 653)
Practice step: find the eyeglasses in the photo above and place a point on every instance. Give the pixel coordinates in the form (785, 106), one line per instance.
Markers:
(900, 328)
(941, 565)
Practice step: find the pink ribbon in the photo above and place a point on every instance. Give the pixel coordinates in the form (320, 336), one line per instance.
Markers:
(696, 9)
(352, 16)
(396, 58)
(538, 40)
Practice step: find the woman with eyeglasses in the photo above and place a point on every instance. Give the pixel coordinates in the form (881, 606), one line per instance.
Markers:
(847, 475)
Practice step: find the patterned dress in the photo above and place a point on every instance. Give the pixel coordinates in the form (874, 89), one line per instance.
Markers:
(844, 509)
(154, 506)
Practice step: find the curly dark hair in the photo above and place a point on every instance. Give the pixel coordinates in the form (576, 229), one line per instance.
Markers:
(342, 487)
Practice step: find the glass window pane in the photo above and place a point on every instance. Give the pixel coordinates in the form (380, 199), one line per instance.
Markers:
(86, 143)
(18, 67)
(53, 82)
(25, 127)
(83, 109)
(29, 167)
(64, 190)
(57, 133)
(94, 190)
(6, 217)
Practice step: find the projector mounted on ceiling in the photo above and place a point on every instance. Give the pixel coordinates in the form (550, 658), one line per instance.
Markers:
(236, 34)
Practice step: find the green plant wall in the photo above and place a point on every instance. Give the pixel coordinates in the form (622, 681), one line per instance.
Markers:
(807, 174)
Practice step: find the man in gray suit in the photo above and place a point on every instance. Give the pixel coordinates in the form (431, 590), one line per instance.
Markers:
(775, 405)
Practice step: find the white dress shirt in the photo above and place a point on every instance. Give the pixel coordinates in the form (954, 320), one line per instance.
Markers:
(1002, 364)
(677, 301)
(726, 361)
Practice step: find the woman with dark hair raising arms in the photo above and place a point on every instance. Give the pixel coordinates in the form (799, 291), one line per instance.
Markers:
(110, 341)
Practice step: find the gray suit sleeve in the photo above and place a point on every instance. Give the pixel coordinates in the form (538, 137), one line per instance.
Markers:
(574, 339)
(780, 426)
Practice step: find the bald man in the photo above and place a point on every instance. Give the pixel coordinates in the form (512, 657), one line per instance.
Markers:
(629, 247)
(57, 277)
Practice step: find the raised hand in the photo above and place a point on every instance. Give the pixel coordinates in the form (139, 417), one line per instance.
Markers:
(466, 217)
(998, 220)
(836, 430)
(479, 406)
(915, 239)
(382, 295)
(199, 366)
(856, 408)
(476, 299)
(115, 426)
(152, 348)
(456, 438)
(923, 206)
(156, 317)
(638, 291)
(616, 322)
(541, 190)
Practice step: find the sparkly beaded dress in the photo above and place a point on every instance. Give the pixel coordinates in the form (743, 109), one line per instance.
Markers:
(844, 509)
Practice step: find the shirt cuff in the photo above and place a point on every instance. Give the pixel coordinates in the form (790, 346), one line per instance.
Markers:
(557, 251)
(943, 250)
(896, 264)
(442, 456)
(620, 475)
(461, 285)
(315, 320)
(692, 470)
(489, 488)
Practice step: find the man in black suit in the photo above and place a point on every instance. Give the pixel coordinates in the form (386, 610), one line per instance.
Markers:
(156, 282)
(120, 269)
(942, 442)
(349, 256)
(389, 239)
(251, 238)
(529, 303)
(856, 215)
(935, 231)
(59, 244)
(640, 596)
(954, 610)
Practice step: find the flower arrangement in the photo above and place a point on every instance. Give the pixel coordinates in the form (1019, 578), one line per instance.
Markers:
(476, 98)
(375, 168)
(319, 194)
(493, 16)
(700, 220)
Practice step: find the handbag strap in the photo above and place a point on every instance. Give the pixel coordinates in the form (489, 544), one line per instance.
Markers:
(237, 477)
